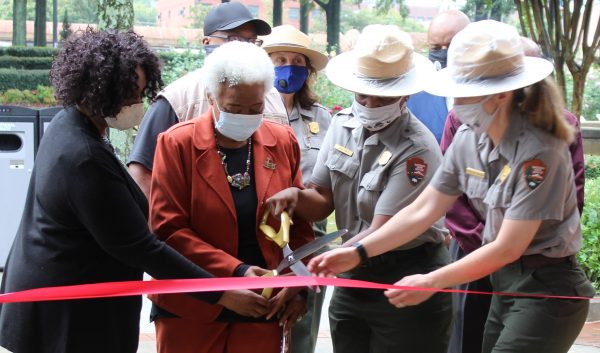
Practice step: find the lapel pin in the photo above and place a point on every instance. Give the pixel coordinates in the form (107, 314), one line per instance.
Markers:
(314, 128)
(269, 164)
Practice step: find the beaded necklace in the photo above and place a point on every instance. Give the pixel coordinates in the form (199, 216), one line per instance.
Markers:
(238, 180)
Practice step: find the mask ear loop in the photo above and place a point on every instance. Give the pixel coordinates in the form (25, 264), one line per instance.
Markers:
(209, 98)
(493, 114)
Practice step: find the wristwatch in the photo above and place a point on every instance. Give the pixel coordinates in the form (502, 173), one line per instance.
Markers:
(361, 251)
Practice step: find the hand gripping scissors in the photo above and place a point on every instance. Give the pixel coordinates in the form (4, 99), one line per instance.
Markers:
(292, 258)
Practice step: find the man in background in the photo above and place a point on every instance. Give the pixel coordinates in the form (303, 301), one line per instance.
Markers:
(429, 109)
(185, 98)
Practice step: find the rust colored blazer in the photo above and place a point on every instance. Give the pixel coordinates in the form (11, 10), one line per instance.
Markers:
(192, 209)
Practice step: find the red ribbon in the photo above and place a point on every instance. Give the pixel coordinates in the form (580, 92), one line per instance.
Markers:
(120, 289)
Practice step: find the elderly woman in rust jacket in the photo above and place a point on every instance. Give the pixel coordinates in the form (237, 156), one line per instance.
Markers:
(211, 177)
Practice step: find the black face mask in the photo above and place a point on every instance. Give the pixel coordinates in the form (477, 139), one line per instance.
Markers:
(209, 48)
(439, 55)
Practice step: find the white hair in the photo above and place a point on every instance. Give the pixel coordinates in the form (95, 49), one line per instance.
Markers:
(236, 63)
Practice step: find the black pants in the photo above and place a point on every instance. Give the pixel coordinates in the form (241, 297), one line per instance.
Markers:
(363, 320)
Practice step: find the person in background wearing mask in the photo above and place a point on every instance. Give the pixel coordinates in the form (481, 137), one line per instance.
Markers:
(296, 67)
(85, 219)
(510, 158)
(376, 159)
(466, 226)
(430, 109)
(211, 178)
(185, 98)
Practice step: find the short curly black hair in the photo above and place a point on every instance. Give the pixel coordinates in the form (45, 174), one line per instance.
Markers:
(96, 69)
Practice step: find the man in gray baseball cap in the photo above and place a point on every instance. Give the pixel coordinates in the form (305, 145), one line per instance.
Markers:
(185, 98)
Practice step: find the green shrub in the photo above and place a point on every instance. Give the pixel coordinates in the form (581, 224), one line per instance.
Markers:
(330, 95)
(26, 63)
(23, 79)
(28, 51)
(592, 166)
(589, 255)
(179, 64)
(42, 95)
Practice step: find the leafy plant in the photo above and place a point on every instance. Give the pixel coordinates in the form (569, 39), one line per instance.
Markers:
(179, 64)
(41, 96)
(330, 95)
(19, 62)
(592, 167)
(589, 255)
(22, 79)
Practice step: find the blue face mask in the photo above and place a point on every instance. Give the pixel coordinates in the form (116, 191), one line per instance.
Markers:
(290, 78)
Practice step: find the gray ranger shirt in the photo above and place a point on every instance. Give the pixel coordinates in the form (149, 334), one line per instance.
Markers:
(377, 174)
(528, 176)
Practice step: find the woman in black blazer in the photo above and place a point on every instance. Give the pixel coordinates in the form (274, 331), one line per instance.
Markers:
(85, 219)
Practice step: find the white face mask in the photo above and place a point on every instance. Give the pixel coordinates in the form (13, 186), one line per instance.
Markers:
(238, 127)
(127, 118)
(375, 119)
(474, 116)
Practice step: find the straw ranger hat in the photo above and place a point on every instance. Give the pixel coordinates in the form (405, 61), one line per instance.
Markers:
(383, 63)
(485, 58)
(288, 38)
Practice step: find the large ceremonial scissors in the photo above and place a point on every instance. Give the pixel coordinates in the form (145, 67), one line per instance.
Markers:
(292, 259)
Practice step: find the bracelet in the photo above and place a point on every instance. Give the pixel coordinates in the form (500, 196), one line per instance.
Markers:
(361, 251)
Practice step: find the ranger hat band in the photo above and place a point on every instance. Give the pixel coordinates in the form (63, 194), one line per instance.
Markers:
(230, 15)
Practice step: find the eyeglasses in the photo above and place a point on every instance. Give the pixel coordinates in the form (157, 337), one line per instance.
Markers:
(235, 37)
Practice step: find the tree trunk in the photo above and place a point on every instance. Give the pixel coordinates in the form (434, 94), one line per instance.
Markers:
(304, 15)
(332, 14)
(563, 30)
(277, 12)
(577, 102)
(333, 26)
(19, 22)
(39, 30)
(115, 14)
(55, 23)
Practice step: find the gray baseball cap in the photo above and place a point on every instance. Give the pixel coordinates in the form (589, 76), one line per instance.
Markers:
(230, 15)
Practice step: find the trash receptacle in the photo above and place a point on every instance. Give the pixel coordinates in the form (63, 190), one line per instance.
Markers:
(18, 138)
(46, 115)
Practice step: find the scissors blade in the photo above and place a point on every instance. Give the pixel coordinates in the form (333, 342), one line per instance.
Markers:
(299, 268)
(308, 249)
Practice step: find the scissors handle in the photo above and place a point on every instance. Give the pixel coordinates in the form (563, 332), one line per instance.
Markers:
(281, 237)
(267, 292)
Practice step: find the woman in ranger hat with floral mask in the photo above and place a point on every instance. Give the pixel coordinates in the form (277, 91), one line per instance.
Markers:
(376, 159)
(512, 161)
(296, 66)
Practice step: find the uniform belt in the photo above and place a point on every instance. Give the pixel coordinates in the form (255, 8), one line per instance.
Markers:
(538, 260)
(395, 256)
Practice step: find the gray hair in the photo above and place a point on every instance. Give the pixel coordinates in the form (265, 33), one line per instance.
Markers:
(236, 63)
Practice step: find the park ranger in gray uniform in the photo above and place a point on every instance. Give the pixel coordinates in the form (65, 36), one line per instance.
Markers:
(376, 159)
(296, 66)
(512, 161)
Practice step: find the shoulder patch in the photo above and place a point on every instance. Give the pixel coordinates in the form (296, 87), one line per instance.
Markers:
(534, 172)
(416, 170)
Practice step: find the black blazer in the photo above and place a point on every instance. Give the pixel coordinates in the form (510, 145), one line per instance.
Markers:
(85, 221)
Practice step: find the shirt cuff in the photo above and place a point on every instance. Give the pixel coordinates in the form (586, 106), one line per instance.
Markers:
(240, 271)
